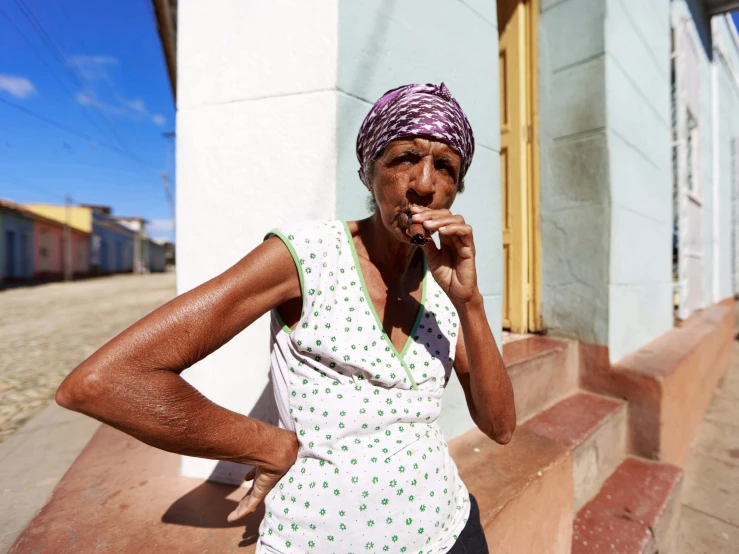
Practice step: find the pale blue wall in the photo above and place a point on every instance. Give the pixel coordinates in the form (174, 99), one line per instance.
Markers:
(389, 43)
(575, 198)
(116, 248)
(21, 266)
(637, 39)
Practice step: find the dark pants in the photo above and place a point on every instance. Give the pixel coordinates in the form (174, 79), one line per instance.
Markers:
(472, 538)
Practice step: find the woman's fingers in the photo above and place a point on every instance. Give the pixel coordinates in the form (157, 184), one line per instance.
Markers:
(461, 230)
(264, 481)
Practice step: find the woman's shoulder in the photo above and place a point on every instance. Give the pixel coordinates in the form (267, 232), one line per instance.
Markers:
(311, 239)
(308, 230)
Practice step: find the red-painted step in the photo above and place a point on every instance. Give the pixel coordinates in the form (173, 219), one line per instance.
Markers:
(593, 428)
(635, 512)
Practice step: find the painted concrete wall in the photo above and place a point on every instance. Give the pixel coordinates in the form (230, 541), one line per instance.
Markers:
(116, 245)
(80, 253)
(386, 44)
(17, 263)
(156, 257)
(48, 248)
(575, 195)
(726, 60)
(271, 96)
(717, 88)
(640, 172)
(79, 217)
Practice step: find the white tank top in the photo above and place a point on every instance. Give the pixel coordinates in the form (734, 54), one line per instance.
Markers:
(373, 472)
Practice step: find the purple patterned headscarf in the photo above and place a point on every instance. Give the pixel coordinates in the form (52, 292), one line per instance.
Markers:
(411, 111)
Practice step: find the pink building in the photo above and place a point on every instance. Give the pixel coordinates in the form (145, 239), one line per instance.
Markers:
(49, 250)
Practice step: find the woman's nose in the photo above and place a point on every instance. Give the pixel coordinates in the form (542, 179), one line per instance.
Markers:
(423, 182)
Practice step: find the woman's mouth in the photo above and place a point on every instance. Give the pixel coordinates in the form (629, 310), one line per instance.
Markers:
(416, 231)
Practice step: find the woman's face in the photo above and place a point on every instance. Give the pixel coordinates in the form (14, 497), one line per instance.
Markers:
(413, 171)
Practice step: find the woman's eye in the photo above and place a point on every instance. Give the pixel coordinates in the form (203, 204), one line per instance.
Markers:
(445, 167)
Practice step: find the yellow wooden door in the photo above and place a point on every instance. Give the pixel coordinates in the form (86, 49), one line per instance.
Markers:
(514, 161)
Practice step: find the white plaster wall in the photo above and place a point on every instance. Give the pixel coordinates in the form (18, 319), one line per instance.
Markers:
(229, 50)
(389, 43)
(256, 148)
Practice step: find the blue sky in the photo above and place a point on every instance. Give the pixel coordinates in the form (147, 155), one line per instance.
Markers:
(96, 71)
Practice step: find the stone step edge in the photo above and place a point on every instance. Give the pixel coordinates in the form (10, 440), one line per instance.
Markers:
(635, 512)
(543, 371)
(594, 429)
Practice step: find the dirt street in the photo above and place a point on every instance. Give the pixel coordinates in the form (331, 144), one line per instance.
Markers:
(45, 331)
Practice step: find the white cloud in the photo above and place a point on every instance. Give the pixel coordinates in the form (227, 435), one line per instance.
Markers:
(90, 99)
(93, 67)
(94, 70)
(136, 105)
(160, 226)
(20, 87)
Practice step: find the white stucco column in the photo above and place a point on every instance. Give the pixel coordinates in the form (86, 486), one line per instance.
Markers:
(256, 148)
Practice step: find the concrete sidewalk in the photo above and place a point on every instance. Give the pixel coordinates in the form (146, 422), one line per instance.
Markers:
(709, 521)
(33, 460)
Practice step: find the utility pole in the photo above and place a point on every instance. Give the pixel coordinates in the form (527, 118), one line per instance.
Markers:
(137, 250)
(170, 200)
(169, 135)
(67, 254)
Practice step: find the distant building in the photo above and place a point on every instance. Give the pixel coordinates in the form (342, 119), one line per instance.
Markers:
(50, 250)
(16, 246)
(34, 246)
(150, 255)
(110, 244)
(157, 255)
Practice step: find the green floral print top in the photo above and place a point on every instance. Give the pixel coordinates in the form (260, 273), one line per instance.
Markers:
(373, 472)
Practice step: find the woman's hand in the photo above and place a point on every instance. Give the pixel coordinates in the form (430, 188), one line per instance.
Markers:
(452, 265)
(265, 478)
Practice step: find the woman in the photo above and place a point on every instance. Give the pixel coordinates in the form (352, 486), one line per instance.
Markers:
(368, 320)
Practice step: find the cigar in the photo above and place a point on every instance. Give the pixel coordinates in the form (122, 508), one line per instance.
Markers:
(416, 231)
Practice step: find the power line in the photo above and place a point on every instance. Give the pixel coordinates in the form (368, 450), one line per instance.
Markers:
(31, 187)
(65, 64)
(48, 67)
(70, 130)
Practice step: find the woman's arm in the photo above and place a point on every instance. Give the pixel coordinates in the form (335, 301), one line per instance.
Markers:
(483, 376)
(478, 363)
(133, 382)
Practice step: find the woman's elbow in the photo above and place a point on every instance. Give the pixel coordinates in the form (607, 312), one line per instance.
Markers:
(76, 390)
(501, 433)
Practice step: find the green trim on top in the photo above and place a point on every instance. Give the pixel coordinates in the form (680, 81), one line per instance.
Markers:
(421, 310)
(298, 266)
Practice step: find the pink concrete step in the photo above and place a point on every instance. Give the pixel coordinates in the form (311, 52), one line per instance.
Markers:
(635, 512)
(123, 496)
(542, 371)
(524, 490)
(668, 382)
(593, 428)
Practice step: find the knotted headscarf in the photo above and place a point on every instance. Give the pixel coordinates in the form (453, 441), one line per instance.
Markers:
(415, 111)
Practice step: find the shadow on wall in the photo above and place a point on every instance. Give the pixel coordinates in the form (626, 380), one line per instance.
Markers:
(208, 505)
(703, 25)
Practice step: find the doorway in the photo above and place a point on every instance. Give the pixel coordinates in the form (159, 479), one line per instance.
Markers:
(519, 164)
(10, 254)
